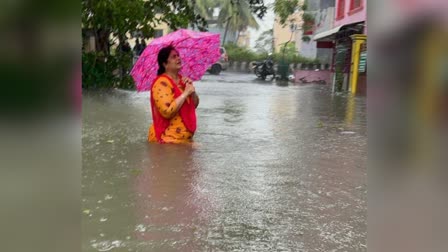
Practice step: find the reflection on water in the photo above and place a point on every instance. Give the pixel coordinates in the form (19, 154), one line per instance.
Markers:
(167, 208)
(271, 169)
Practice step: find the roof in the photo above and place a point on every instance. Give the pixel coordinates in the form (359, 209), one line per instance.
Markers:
(326, 34)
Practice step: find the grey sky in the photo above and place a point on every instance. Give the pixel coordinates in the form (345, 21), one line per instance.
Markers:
(265, 24)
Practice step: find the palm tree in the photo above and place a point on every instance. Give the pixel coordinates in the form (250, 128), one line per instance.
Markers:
(237, 16)
(205, 8)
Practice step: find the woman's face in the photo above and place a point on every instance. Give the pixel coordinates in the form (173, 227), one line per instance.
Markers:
(173, 63)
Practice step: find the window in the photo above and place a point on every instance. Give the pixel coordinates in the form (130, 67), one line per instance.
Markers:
(341, 9)
(158, 33)
(355, 6)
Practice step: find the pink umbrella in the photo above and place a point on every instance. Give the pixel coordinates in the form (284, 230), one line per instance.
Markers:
(198, 51)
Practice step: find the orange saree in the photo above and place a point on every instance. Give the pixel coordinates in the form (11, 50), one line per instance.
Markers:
(168, 125)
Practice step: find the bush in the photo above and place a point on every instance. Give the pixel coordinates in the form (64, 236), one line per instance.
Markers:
(236, 53)
(294, 59)
(99, 71)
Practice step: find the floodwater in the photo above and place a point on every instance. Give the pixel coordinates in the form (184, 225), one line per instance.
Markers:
(274, 167)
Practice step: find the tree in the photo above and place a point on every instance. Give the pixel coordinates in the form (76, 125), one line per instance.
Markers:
(289, 48)
(236, 16)
(119, 17)
(206, 8)
(264, 42)
(286, 8)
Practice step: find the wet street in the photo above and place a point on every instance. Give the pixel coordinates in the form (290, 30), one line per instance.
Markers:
(274, 167)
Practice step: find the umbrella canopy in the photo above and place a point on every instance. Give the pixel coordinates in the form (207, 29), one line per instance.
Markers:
(198, 51)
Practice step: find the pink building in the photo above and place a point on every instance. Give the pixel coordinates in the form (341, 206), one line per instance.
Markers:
(349, 25)
(350, 19)
(349, 12)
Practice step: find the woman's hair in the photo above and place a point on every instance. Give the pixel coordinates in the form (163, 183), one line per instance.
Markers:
(164, 53)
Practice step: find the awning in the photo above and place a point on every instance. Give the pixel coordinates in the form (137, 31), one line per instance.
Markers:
(327, 33)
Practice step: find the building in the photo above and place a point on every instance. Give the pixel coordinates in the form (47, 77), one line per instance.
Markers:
(348, 34)
(324, 20)
(160, 29)
(287, 32)
(89, 38)
(308, 47)
(320, 15)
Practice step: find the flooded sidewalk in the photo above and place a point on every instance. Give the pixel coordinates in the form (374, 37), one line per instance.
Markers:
(274, 167)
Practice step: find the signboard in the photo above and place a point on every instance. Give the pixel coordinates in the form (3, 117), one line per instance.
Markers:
(363, 59)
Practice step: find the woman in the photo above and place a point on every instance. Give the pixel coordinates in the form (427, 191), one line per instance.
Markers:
(173, 101)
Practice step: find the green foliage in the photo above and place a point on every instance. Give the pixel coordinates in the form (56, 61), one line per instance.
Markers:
(257, 7)
(308, 17)
(96, 71)
(99, 71)
(236, 53)
(308, 21)
(120, 16)
(125, 80)
(306, 39)
(205, 8)
(288, 48)
(234, 15)
(238, 14)
(294, 59)
(285, 8)
(305, 5)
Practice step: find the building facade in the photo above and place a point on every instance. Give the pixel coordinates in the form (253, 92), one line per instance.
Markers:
(322, 11)
(348, 39)
(287, 32)
(324, 21)
(308, 48)
(350, 12)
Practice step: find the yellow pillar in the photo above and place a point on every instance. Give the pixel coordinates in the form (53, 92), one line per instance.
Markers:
(428, 99)
(350, 111)
(358, 40)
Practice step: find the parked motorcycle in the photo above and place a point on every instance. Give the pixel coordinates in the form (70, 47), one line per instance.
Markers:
(264, 68)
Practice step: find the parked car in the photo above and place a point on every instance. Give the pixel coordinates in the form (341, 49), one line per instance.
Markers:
(222, 64)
